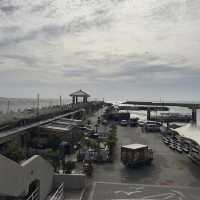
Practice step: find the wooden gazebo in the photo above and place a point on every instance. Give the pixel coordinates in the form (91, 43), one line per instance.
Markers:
(79, 94)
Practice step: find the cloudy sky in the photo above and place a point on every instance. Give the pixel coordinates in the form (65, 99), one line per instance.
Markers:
(117, 49)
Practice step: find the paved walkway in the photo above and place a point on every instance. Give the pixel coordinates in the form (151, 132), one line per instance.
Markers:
(73, 194)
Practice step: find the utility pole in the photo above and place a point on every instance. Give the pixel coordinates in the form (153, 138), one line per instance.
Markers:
(38, 104)
(60, 101)
(8, 107)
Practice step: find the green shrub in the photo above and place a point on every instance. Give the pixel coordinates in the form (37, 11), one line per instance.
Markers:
(14, 152)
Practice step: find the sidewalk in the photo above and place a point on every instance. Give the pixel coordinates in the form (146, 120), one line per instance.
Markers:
(74, 194)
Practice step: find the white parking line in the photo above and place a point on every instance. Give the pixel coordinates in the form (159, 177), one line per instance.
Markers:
(93, 191)
(161, 186)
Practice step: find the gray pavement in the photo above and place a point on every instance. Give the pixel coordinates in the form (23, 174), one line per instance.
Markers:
(169, 167)
(73, 194)
(121, 191)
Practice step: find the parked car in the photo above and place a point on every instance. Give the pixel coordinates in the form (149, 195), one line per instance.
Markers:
(124, 122)
(86, 128)
(104, 122)
(141, 123)
(151, 126)
(94, 135)
(133, 122)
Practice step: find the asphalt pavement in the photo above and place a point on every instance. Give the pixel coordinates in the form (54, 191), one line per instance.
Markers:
(122, 191)
(169, 168)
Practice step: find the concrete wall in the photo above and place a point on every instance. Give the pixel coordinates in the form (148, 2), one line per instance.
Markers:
(15, 179)
(71, 181)
(11, 178)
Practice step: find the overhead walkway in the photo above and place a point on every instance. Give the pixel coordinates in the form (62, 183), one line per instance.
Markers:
(17, 130)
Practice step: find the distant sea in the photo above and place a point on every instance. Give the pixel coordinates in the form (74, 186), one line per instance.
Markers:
(19, 104)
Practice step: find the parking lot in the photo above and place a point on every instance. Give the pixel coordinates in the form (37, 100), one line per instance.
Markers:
(169, 167)
(108, 191)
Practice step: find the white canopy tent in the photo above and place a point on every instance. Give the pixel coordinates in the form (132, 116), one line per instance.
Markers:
(189, 131)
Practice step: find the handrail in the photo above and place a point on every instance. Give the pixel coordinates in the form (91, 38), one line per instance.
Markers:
(34, 195)
(59, 193)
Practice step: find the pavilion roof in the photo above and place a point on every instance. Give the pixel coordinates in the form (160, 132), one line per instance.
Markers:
(80, 93)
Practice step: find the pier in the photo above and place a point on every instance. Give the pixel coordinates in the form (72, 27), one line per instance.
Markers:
(23, 126)
(155, 106)
(151, 103)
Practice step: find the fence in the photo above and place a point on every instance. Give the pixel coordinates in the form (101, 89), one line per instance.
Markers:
(59, 193)
(35, 195)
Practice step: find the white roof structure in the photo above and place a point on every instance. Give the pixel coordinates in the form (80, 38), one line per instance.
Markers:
(57, 127)
(134, 146)
(189, 131)
(80, 93)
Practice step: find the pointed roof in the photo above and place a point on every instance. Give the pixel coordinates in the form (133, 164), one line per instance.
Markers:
(80, 93)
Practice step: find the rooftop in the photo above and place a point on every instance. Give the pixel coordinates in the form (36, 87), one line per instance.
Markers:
(189, 131)
(80, 93)
(57, 127)
(134, 146)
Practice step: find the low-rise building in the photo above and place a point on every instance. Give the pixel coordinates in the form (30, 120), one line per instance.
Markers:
(34, 179)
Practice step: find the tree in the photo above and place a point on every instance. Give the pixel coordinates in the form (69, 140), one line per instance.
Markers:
(14, 152)
(112, 138)
(53, 157)
(54, 141)
(88, 122)
(113, 128)
(91, 143)
(68, 166)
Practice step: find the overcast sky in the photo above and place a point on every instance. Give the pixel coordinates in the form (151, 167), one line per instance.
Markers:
(117, 49)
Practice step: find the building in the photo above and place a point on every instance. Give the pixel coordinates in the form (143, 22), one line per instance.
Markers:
(66, 131)
(189, 135)
(34, 179)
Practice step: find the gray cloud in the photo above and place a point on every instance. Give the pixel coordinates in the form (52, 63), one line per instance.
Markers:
(8, 9)
(77, 25)
(45, 32)
(27, 60)
(78, 72)
(9, 29)
(41, 7)
(110, 44)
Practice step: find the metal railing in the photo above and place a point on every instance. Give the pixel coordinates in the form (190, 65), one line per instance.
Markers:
(59, 193)
(35, 195)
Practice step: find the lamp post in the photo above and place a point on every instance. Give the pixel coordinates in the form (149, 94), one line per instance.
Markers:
(38, 104)
(8, 108)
